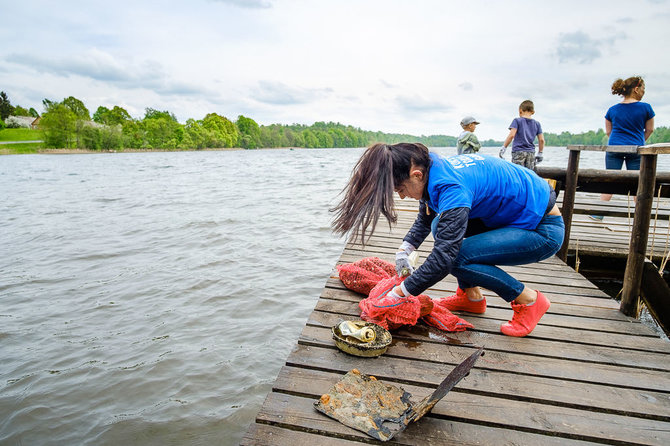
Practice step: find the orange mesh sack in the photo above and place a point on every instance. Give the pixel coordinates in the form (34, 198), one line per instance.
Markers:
(387, 311)
(375, 277)
(362, 275)
(445, 320)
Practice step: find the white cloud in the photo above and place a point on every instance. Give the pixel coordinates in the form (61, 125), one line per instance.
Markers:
(386, 65)
(251, 4)
(277, 93)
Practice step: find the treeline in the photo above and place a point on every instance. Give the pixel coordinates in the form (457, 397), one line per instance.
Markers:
(68, 124)
(661, 134)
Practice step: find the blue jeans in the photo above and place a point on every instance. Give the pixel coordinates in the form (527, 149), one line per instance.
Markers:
(476, 262)
(614, 161)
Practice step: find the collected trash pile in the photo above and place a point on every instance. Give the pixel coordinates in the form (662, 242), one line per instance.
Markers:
(375, 277)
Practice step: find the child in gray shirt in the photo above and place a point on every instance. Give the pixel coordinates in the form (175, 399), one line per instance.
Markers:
(467, 141)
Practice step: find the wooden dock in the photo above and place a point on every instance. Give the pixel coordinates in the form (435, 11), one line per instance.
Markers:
(586, 375)
(611, 237)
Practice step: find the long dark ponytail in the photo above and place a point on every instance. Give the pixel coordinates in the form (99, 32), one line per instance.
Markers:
(369, 192)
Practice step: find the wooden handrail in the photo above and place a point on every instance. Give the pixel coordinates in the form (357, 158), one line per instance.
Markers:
(613, 149)
(646, 186)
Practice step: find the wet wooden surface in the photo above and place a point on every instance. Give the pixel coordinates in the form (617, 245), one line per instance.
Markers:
(586, 375)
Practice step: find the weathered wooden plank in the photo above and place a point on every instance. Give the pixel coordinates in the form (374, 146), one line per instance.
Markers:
(338, 292)
(543, 331)
(562, 294)
(603, 354)
(603, 148)
(655, 149)
(538, 389)
(513, 362)
(505, 413)
(273, 435)
(503, 314)
(300, 412)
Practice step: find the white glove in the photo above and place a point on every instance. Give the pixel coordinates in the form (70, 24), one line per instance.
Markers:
(539, 157)
(502, 151)
(402, 264)
(394, 295)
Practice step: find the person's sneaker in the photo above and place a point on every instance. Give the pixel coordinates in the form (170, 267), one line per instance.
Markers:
(596, 217)
(460, 302)
(526, 317)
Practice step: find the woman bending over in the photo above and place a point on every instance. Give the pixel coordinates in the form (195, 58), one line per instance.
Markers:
(483, 212)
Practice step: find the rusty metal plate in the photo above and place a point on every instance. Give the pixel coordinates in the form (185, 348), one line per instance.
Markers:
(383, 410)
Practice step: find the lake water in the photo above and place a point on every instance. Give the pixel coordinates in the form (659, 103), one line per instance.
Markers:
(151, 298)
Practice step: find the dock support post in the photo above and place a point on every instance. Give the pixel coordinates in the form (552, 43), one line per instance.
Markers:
(571, 175)
(632, 280)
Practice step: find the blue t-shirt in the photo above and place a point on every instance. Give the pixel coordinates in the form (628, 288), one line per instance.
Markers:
(497, 191)
(628, 121)
(526, 131)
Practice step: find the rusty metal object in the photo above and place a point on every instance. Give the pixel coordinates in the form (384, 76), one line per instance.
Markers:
(383, 410)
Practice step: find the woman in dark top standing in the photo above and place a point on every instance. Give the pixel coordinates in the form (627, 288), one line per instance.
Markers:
(628, 123)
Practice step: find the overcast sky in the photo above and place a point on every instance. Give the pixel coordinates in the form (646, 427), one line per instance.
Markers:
(409, 66)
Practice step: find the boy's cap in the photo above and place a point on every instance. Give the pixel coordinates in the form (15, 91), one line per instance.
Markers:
(468, 120)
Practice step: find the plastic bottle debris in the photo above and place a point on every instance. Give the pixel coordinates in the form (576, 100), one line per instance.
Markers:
(363, 334)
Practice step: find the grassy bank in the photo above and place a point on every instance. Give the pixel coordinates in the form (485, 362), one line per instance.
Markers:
(20, 135)
(20, 148)
(12, 135)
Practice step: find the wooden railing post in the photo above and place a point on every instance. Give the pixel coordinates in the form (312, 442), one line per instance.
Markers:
(571, 175)
(630, 295)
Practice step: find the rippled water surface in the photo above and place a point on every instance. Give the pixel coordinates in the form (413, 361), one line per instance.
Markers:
(151, 298)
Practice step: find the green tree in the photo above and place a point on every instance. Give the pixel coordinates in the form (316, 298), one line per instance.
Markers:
(661, 134)
(100, 115)
(33, 113)
(115, 116)
(221, 132)
(152, 113)
(132, 134)
(20, 111)
(195, 135)
(310, 139)
(162, 131)
(250, 133)
(118, 115)
(77, 107)
(101, 138)
(58, 125)
(6, 108)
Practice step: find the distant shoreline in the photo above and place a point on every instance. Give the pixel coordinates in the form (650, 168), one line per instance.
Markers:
(7, 151)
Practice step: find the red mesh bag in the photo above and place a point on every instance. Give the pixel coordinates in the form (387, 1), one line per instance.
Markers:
(375, 277)
(362, 275)
(390, 312)
(445, 320)
(426, 304)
